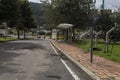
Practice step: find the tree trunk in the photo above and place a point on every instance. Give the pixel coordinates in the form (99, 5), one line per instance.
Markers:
(18, 34)
(24, 34)
(73, 32)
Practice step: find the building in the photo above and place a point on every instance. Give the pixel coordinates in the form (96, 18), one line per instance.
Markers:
(3, 30)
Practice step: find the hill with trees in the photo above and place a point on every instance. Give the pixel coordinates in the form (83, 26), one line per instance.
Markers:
(37, 12)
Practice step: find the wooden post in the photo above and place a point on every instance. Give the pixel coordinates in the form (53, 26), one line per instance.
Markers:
(107, 38)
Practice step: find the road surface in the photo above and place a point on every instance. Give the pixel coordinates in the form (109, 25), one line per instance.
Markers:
(33, 60)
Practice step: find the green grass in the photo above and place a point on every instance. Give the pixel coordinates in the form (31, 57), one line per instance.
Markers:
(114, 55)
(7, 39)
(83, 44)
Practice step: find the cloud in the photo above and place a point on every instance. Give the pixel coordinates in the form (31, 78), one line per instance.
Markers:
(98, 3)
(36, 1)
(109, 4)
(114, 4)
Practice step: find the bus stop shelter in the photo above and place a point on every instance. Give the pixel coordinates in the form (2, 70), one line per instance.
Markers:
(66, 30)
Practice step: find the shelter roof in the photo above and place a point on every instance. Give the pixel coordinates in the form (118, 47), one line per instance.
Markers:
(64, 26)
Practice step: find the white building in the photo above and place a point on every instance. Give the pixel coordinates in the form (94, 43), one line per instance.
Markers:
(54, 34)
(3, 30)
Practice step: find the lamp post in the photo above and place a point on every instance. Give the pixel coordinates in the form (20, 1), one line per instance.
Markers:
(92, 29)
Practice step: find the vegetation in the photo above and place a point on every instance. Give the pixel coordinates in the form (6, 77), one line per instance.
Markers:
(27, 20)
(7, 39)
(113, 55)
(80, 13)
(37, 12)
(66, 11)
(17, 14)
(83, 16)
(104, 23)
(49, 13)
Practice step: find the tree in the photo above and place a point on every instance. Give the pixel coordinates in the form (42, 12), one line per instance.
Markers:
(118, 17)
(8, 10)
(17, 14)
(37, 12)
(114, 36)
(67, 11)
(27, 20)
(104, 23)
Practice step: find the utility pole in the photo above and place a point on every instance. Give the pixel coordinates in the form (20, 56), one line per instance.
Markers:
(103, 4)
(92, 29)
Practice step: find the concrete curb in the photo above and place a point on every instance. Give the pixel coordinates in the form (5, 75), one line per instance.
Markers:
(85, 70)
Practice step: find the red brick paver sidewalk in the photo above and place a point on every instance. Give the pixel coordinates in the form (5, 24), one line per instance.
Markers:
(105, 69)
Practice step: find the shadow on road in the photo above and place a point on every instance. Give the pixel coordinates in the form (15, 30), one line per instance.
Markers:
(20, 45)
(8, 54)
(55, 70)
(5, 59)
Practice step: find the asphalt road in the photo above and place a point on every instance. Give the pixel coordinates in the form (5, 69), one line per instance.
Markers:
(31, 60)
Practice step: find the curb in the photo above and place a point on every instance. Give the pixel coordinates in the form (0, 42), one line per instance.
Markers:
(85, 70)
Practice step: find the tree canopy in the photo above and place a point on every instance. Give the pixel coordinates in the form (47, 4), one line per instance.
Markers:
(66, 11)
(17, 14)
(37, 12)
(8, 10)
(26, 16)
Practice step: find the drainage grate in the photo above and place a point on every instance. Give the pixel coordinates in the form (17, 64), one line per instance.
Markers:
(54, 54)
(53, 76)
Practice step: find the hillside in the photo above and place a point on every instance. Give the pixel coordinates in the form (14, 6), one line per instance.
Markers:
(37, 11)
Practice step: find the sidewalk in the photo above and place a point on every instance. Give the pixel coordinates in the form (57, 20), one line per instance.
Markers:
(105, 69)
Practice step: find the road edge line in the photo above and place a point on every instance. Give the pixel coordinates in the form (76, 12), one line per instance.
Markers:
(74, 75)
(88, 72)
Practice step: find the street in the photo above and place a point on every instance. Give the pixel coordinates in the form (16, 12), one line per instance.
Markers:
(31, 60)
(35, 60)
(59, 39)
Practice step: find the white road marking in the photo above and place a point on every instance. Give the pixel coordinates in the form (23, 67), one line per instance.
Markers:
(75, 76)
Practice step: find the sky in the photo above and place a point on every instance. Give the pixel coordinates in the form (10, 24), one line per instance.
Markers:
(109, 4)
(36, 1)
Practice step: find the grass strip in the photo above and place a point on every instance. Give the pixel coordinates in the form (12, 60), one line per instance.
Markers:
(7, 39)
(113, 55)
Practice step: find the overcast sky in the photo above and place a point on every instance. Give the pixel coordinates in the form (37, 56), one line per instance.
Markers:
(37, 1)
(109, 4)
